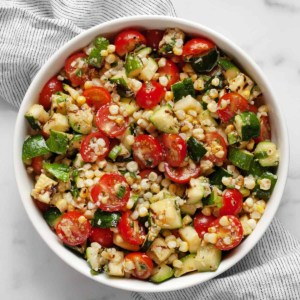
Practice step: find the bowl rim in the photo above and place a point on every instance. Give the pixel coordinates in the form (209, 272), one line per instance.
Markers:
(185, 281)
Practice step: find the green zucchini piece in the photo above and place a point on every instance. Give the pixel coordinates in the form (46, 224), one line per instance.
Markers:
(216, 177)
(188, 265)
(75, 142)
(120, 80)
(171, 216)
(190, 235)
(208, 84)
(114, 152)
(95, 59)
(144, 52)
(231, 70)
(105, 219)
(267, 154)
(133, 65)
(34, 146)
(161, 273)
(164, 120)
(265, 194)
(256, 169)
(149, 70)
(36, 116)
(152, 234)
(206, 62)
(189, 209)
(58, 142)
(52, 216)
(233, 138)
(214, 199)
(208, 258)
(196, 150)
(240, 158)
(183, 88)
(247, 125)
(78, 250)
(59, 171)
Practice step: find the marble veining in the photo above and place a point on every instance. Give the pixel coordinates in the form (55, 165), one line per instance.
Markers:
(269, 31)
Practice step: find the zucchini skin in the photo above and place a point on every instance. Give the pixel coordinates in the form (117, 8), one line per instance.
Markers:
(205, 63)
(195, 149)
(216, 177)
(52, 216)
(103, 219)
(263, 194)
(183, 88)
(240, 158)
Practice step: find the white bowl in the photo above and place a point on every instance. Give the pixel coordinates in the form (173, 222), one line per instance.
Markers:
(55, 63)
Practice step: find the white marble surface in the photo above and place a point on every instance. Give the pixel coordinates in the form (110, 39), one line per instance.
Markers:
(269, 31)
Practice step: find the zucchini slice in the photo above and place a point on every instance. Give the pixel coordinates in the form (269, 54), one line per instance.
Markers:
(267, 154)
(247, 125)
(208, 258)
(183, 88)
(161, 273)
(240, 158)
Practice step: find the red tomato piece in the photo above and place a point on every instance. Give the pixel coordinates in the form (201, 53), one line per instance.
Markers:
(102, 236)
(228, 237)
(77, 68)
(265, 130)
(127, 40)
(73, 228)
(51, 87)
(217, 143)
(202, 222)
(97, 96)
(94, 146)
(153, 37)
(111, 193)
(175, 149)
(131, 230)
(150, 94)
(253, 108)
(110, 127)
(182, 174)
(232, 202)
(143, 264)
(171, 71)
(197, 46)
(37, 165)
(231, 104)
(41, 205)
(147, 151)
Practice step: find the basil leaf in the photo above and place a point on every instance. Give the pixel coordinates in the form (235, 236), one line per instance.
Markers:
(34, 146)
(105, 219)
(58, 142)
(60, 171)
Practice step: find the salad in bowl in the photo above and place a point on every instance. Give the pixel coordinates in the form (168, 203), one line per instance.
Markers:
(151, 154)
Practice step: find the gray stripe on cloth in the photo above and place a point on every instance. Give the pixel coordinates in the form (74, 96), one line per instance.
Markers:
(270, 271)
(32, 30)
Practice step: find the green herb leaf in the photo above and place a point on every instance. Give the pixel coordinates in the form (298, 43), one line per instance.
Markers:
(60, 171)
(121, 192)
(58, 142)
(34, 146)
(105, 219)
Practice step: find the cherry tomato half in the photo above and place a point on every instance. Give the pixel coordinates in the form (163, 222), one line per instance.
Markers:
(97, 96)
(73, 228)
(175, 149)
(182, 174)
(111, 193)
(228, 237)
(110, 127)
(202, 222)
(231, 104)
(265, 130)
(232, 202)
(197, 46)
(94, 146)
(153, 38)
(51, 87)
(147, 151)
(77, 68)
(217, 143)
(150, 94)
(143, 264)
(102, 236)
(130, 230)
(171, 71)
(127, 40)
(37, 164)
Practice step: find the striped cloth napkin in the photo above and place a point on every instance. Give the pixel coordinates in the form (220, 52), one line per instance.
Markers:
(32, 30)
